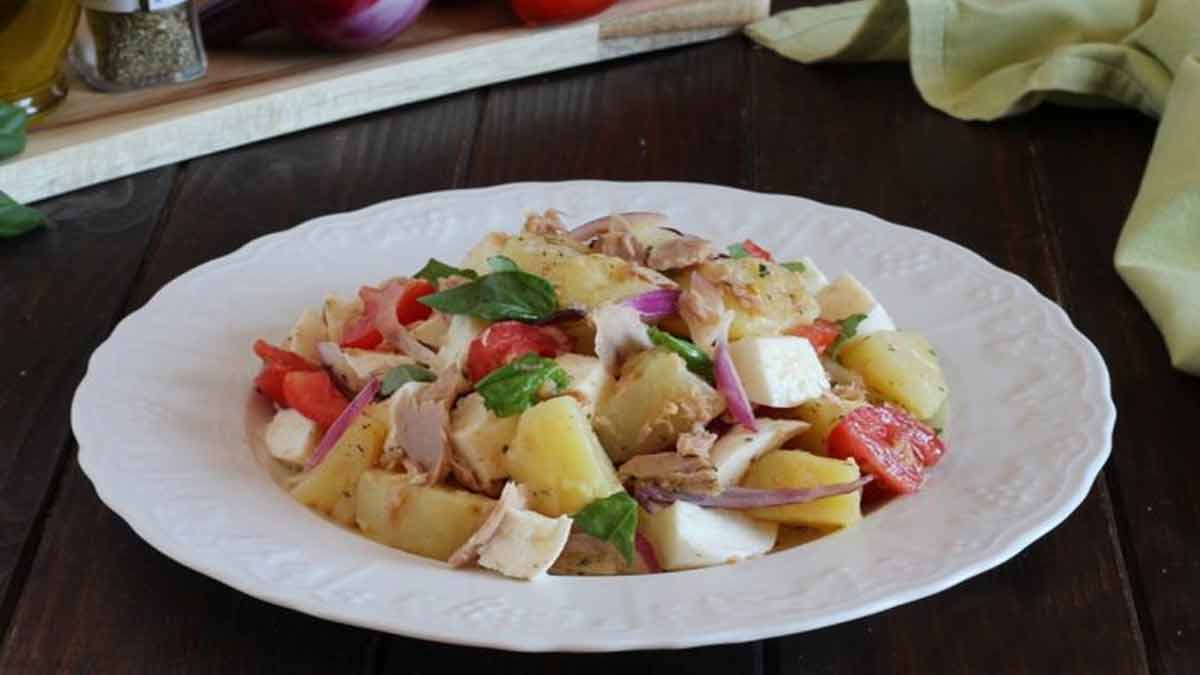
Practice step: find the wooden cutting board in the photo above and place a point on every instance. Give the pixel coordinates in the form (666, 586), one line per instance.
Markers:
(275, 86)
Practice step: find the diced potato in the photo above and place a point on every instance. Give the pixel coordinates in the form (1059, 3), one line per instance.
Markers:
(329, 486)
(290, 437)
(477, 258)
(799, 469)
(432, 331)
(308, 332)
(686, 536)
(901, 367)
(846, 296)
(337, 312)
(590, 382)
(822, 414)
(581, 278)
(462, 330)
(773, 297)
(733, 452)
(791, 537)
(433, 521)
(526, 544)
(480, 439)
(656, 399)
(780, 371)
(380, 411)
(557, 457)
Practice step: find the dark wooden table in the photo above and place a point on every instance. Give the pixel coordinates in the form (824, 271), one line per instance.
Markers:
(1115, 589)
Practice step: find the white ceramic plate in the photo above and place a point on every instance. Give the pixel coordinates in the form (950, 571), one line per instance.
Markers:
(165, 421)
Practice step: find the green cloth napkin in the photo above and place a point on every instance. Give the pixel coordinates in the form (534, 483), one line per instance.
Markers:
(985, 59)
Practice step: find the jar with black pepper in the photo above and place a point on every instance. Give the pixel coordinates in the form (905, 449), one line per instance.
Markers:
(132, 44)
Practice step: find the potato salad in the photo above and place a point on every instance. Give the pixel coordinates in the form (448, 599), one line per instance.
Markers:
(617, 397)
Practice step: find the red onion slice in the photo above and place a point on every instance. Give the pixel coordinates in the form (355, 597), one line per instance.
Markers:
(339, 426)
(730, 386)
(655, 305)
(750, 498)
(646, 552)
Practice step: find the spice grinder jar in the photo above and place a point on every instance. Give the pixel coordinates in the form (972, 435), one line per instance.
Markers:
(133, 44)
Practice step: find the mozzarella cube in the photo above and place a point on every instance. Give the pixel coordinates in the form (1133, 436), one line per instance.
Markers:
(590, 382)
(458, 338)
(353, 367)
(686, 536)
(781, 371)
(291, 437)
(526, 544)
(812, 276)
(306, 334)
(480, 439)
(845, 297)
(733, 452)
(337, 312)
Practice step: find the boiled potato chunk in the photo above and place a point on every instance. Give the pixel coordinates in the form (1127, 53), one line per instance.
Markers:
(773, 298)
(590, 382)
(557, 457)
(432, 521)
(656, 399)
(686, 536)
(581, 278)
(480, 440)
(329, 486)
(799, 469)
(732, 453)
(901, 367)
(822, 415)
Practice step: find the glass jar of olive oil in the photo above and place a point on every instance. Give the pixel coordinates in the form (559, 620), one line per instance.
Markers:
(131, 44)
(34, 36)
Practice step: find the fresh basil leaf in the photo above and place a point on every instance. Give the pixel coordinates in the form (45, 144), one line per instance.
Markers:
(509, 294)
(796, 266)
(737, 251)
(696, 360)
(436, 269)
(612, 519)
(500, 263)
(12, 130)
(401, 375)
(511, 389)
(849, 328)
(16, 219)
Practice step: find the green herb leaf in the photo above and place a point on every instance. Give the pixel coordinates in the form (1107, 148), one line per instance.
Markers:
(500, 263)
(436, 269)
(12, 130)
(509, 294)
(737, 251)
(16, 219)
(401, 375)
(612, 519)
(796, 266)
(849, 326)
(696, 360)
(511, 389)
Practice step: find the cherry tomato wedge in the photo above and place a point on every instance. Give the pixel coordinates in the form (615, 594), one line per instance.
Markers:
(887, 443)
(277, 362)
(820, 333)
(757, 251)
(502, 342)
(549, 11)
(362, 333)
(313, 394)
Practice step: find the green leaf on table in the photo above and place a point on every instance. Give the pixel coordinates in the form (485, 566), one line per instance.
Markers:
(512, 389)
(612, 519)
(12, 130)
(500, 263)
(796, 266)
(849, 328)
(401, 375)
(696, 360)
(507, 294)
(737, 251)
(16, 219)
(436, 269)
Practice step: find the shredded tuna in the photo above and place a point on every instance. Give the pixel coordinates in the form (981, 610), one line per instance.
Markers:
(679, 253)
(619, 333)
(512, 498)
(419, 437)
(737, 280)
(621, 244)
(702, 307)
(588, 556)
(696, 443)
(672, 471)
(546, 223)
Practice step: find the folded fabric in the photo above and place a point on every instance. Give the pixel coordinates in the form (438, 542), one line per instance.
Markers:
(985, 59)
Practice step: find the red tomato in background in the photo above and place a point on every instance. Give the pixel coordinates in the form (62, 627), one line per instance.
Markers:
(757, 251)
(502, 342)
(313, 394)
(820, 333)
(549, 11)
(362, 334)
(277, 363)
(887, 443)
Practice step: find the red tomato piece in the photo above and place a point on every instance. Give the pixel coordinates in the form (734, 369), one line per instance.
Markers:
(313, 394)
(363, 334)
(757, 251)
(549, 11)
(277, 362)
(502, 342)
(820, 333)
(887, 443)
(408, 309)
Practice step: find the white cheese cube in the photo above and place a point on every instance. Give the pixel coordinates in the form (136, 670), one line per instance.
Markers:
(291, 437)
(685, 536)
(814, 279)
(590, 382)
(480, 439)
(733, 452)
(337, 312)
(306, 334)
(526, 544)
(458, 338)
(844, 297)
(781, 371)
